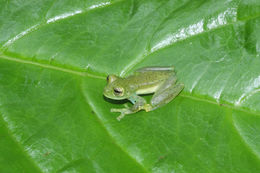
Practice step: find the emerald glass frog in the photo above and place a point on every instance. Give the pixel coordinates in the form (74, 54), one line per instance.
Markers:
(158, 80)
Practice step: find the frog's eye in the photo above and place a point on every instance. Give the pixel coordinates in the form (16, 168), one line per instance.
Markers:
(118, 91)
(111, 78)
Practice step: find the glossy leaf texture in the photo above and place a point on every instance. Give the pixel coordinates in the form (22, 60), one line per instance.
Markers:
(55, 55)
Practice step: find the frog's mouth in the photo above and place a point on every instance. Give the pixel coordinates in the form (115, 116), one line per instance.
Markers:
(105, 93)
(112, 96)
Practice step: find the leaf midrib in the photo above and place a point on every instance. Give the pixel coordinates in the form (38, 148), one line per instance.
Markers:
(49, 66)
(86, 74)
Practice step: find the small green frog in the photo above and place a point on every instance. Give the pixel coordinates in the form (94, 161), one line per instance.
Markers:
(158, 80)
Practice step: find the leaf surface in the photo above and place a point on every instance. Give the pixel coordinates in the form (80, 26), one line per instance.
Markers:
(54, 56)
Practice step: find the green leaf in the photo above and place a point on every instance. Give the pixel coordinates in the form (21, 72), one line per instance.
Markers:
(54, 56)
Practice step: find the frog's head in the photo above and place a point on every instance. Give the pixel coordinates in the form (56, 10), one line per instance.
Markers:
(115, 88)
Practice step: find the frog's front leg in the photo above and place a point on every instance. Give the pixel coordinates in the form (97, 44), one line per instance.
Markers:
(139, 103)
(166, 92)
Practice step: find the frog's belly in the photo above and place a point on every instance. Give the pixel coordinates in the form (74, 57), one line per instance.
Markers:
(147, 90)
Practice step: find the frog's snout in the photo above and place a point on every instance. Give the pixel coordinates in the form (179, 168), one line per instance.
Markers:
(106, 91)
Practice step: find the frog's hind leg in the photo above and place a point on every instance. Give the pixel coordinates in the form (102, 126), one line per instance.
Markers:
(166, 92)
(155, 68)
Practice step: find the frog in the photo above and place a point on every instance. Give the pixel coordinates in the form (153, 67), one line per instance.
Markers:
(161, 81)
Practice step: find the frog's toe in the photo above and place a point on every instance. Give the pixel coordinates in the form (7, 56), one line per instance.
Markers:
(115, 110)
(120, 117)
(147, 107)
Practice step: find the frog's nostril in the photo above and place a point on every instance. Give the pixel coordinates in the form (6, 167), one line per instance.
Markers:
(106, 90)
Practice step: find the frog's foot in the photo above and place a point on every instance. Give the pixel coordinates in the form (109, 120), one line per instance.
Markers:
(120, 117)
(147, 107)
(123, 112)
(131, 110)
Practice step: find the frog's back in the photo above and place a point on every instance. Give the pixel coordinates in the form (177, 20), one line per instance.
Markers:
(148, 80)
(150, 76)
